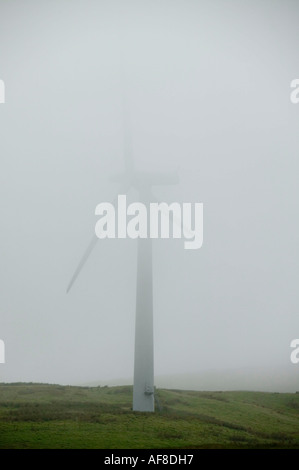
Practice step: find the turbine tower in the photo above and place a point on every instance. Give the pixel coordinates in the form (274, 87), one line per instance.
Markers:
(143, 388)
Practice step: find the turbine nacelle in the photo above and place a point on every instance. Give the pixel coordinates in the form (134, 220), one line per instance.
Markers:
(141, 179)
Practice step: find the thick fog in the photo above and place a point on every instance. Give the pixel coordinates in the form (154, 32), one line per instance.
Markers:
(207, 88)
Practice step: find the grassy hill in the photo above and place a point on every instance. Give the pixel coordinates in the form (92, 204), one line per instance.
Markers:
(54, 416)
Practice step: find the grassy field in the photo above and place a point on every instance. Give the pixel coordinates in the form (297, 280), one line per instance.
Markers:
(52, 416)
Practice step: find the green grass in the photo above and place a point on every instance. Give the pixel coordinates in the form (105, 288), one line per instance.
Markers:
(52, 416)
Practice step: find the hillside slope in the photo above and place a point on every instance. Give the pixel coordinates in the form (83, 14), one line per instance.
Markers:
(54, 416)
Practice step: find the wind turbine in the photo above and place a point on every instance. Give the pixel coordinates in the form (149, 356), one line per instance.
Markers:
(143, 388)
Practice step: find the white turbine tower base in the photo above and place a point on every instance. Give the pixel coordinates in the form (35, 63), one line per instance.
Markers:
(143, 389)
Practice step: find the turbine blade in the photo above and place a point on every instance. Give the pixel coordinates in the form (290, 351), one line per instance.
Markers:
(128, 156)
(128, 151)
(123, 190)
(83, 260)
(127, 139)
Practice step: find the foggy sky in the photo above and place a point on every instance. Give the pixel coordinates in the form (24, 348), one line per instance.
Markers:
(208, 91)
